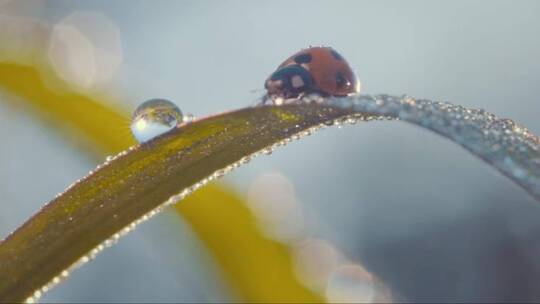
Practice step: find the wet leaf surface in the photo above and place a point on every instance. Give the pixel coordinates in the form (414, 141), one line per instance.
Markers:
(103, 130)
(136, 182)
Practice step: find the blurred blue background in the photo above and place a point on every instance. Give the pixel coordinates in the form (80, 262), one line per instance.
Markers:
(431, 221)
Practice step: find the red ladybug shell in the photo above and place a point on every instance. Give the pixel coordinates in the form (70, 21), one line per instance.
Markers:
(319, 70)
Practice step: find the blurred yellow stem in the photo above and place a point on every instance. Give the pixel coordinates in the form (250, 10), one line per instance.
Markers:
(259, 270)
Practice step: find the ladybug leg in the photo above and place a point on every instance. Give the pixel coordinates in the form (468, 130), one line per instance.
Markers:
(263, 101)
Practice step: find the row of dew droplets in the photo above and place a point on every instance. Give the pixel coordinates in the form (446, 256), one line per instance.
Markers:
(162, 112)
(148, 107)
(503, 143)
(158, 116)
(150, 119)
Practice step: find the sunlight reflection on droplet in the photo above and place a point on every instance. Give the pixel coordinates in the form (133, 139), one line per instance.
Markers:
(350, 284)
(154, 117)
(272, 199)
(85, 49)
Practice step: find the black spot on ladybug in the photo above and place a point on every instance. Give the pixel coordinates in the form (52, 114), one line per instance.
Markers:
(341, 81)
(303, 58)
(289, 81)
(336, 55)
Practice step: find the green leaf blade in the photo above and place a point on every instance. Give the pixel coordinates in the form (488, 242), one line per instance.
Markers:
(135, 183)
(140, 180)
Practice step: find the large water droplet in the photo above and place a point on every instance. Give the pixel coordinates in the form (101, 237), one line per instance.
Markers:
(154, 117)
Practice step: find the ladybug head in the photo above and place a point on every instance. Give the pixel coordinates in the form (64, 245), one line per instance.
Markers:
(289, 82)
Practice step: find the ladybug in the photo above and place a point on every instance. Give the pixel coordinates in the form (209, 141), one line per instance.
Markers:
(319, 70)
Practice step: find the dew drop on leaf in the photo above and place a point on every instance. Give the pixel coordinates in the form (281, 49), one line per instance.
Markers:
(154, 117)
(267, 151)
